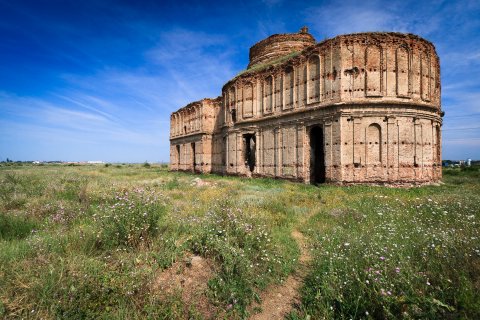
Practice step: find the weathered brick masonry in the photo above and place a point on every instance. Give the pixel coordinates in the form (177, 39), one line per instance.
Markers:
(361, 108)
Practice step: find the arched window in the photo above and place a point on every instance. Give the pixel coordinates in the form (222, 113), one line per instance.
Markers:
(248, 100)
(279, 92)
(197, 119)
(374, 144)
(425, 76)
(403, 71)
(239, 106)
(225, 107)
(289, 83)
(183, 122)
(373, 71)
(180, 124)
(193, 118)
(326, 90)
(301, 86)
(313, 79)
(175, 124)
(231, 100)
(268, 94)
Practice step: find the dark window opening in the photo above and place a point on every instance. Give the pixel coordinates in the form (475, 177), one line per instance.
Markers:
(193, 156)
(249, 144)
(177, 147)
(234, 115)
(438, 151)
(317, 156)
(224, 154)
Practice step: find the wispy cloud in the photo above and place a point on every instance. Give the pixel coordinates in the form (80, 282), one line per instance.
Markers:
(336, 18)
(124, 106)
(419, 17)
(197, 63)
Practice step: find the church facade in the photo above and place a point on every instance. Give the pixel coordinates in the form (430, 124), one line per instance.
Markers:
(357, 108)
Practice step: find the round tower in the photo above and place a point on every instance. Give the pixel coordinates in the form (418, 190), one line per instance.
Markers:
(279, 45)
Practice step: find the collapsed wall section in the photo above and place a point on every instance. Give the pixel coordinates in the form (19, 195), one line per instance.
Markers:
(279, 45)
(191, 136)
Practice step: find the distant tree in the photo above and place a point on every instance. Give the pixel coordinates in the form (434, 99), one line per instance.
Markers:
(447, 162)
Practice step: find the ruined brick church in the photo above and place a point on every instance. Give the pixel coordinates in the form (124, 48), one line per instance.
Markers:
(356, 108)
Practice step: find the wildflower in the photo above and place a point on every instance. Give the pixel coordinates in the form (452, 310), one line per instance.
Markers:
(382, 258)
(397, 270)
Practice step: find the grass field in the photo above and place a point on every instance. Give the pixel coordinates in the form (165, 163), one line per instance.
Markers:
(92, 242)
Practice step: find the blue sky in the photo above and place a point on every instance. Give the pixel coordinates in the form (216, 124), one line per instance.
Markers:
(97, 80)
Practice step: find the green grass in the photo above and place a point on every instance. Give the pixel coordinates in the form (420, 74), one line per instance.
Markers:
(90, 241)
(395, 258)
(15, 227)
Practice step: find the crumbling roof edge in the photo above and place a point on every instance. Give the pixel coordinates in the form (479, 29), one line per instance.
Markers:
(282, 59)
(194, 103)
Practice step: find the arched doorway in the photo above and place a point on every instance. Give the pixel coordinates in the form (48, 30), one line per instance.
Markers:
(317, 156)
(249, 142)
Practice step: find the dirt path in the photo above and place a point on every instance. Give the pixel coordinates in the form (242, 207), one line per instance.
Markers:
(278, 300)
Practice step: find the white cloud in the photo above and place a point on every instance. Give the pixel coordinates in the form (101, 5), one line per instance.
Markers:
(196, 64)
(124, 107)
(351, 16)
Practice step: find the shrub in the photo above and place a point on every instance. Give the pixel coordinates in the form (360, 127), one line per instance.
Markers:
(15, 227)
(131, 219)
(248, 255)
(172, 184)
(8, 184)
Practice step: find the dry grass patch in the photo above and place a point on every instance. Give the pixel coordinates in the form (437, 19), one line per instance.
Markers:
(188, 278)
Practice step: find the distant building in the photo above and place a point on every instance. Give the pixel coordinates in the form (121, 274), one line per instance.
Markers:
(359, 107)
